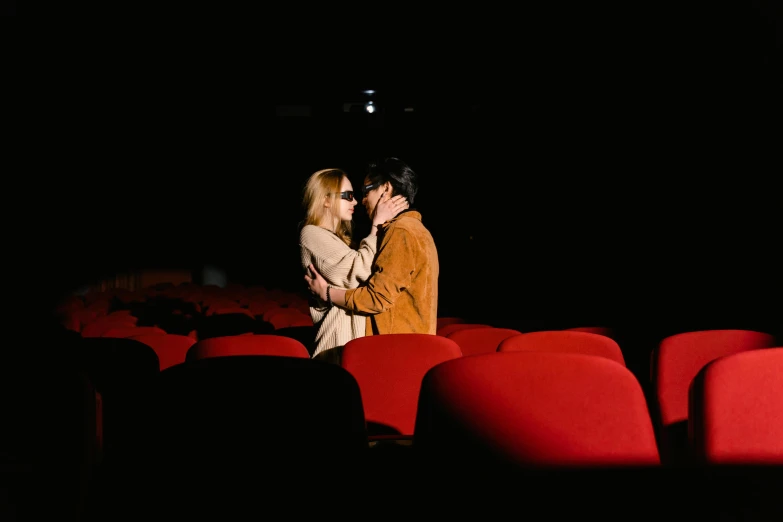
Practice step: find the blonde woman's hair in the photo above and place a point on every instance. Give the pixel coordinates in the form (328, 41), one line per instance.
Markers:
(322, 185)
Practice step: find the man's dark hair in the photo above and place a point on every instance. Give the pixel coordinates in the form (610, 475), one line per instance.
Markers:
(398, 173)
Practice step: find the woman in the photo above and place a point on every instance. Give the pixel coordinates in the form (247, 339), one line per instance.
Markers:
(325, 242)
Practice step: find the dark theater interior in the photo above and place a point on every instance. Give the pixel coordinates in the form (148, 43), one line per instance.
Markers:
(603, 192)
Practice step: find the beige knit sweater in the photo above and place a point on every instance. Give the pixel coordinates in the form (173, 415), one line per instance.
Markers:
(342, 267)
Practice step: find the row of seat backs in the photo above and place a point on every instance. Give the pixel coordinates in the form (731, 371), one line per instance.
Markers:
(390, 370)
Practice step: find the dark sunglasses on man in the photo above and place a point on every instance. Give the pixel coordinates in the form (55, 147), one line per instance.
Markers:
(368, 188)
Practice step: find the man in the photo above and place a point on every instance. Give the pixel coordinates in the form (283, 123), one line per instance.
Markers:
(401, 295)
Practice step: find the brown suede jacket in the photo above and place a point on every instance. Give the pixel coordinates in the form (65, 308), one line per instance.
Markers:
(401, 295)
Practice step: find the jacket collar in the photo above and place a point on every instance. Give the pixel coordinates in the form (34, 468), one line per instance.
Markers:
(408, 212)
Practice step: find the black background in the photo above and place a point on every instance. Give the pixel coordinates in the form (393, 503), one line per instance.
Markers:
(590, 169)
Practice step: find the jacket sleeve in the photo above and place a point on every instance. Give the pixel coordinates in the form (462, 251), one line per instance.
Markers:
(394, 269)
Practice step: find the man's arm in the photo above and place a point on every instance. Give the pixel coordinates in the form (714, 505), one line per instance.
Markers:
(396, 262)
(321, 288)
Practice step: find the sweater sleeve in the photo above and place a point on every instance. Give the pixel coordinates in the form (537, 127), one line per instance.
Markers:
(338, 263)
